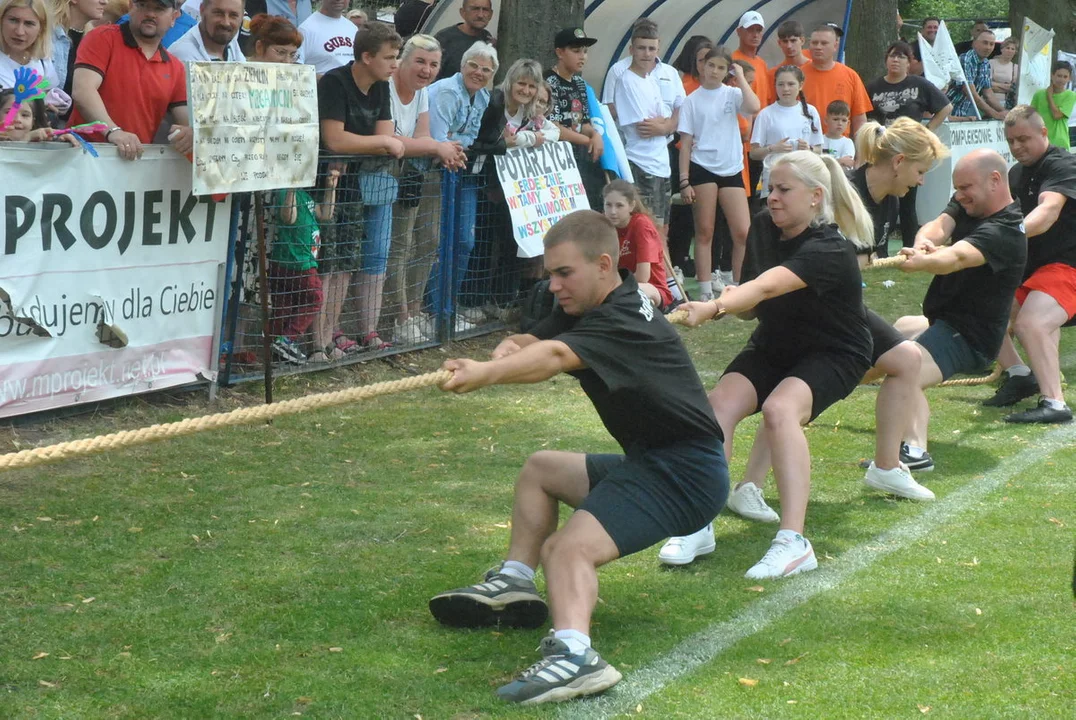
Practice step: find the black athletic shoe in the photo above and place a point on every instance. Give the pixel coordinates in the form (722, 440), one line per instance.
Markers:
(1013, 390)
(560, 675)
(500, 600)
(920, 464)
(1042, 413)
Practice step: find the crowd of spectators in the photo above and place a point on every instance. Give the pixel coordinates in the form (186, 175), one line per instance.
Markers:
(411, 109)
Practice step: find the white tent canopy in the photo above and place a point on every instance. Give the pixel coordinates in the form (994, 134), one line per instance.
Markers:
(610, 22)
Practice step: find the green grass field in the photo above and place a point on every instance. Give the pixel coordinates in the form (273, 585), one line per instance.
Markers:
(283, 570)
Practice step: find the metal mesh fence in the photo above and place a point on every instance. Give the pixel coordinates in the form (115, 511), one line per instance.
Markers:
(379, 257)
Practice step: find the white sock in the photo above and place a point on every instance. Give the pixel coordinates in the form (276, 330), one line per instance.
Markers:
(1019, 371)
(1055, 404)
(516, 569)
(705, 296)
(916, 452)
(576, 641)
(789, 535)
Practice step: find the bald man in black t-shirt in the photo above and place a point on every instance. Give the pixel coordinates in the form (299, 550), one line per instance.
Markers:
(671, 480)
(976, 249)
(1043, 181)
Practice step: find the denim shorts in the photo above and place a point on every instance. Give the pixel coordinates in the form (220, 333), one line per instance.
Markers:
(655, 193)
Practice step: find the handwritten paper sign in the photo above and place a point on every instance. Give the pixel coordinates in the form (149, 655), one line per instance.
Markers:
(541, 185)
(255, 126)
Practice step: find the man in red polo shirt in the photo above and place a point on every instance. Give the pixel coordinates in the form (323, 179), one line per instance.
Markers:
(125, 79)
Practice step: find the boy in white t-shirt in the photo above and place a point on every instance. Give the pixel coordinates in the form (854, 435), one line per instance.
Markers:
(328, 37)
(645, 123)
(838, 115)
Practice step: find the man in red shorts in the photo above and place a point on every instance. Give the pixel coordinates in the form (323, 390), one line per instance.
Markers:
(1044, 183)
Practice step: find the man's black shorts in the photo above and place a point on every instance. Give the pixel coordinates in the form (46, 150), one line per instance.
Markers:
(643, 498)
(831, 376)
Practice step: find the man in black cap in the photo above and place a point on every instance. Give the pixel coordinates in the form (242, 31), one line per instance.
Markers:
(570, 109)
(456, 40)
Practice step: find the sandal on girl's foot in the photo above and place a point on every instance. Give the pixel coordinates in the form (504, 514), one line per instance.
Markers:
(318, 358)
(373, 342)
(334, 353)
(344, 343)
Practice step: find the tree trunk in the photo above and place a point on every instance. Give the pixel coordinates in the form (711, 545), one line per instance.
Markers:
(1060, 15)
(871, 29)
(526, 29)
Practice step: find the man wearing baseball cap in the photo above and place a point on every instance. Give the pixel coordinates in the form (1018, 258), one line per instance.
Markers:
(750, 34)
(569, 109)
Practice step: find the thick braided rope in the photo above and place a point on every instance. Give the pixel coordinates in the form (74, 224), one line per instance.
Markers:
(241, 416)
(884, 263)
(261, 413)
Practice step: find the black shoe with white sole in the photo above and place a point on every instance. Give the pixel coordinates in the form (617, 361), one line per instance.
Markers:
(502, 600)
(924, 463)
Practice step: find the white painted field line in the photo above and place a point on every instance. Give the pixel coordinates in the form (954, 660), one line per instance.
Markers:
(707, 644)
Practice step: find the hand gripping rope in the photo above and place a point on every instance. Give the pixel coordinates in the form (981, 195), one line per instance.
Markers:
(262, 413)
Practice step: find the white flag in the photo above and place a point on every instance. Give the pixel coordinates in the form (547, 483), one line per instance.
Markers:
(932, 71)
(1035, 59)
(946, 57)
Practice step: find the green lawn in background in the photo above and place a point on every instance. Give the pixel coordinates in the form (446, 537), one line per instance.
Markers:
(269, 571)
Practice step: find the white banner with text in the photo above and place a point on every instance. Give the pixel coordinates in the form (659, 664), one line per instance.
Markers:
(109, 275)
(255, 126)
(541, 185)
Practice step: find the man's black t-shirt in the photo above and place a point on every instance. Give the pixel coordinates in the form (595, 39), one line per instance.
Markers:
(911, 97)
(1054, 172)
(454, 43)
(339, 98)
(976, 302)
(825, 316)
(885, 214)
(638, 373)
(409, 17)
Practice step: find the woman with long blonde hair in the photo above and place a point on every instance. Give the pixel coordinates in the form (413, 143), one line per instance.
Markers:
(801, 280)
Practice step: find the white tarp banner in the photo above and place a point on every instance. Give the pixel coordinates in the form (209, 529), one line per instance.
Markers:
(1036, 53)
(541, 185)
(255, 126)
(961, 139)
(109, 276)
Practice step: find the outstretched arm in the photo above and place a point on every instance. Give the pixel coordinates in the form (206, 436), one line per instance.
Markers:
(532, 364)
(961, 255)
(774, 282)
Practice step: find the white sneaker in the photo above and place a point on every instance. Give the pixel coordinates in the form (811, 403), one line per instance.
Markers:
(462, 324)
(473, 315)
(717, 285)
(726, 277)
(896, 481)
(678, 274)
(409, 332)
(682, 550)
(747, 501)
(786, 556)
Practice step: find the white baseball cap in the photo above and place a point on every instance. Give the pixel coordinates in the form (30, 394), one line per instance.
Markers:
(751, 18)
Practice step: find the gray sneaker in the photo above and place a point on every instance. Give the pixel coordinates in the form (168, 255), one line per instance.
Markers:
(500, 600)
(560, 675)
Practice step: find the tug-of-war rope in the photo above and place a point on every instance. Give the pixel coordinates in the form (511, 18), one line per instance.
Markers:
(263, 413)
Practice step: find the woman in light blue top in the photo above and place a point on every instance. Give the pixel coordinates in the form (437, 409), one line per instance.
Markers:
(457, 104)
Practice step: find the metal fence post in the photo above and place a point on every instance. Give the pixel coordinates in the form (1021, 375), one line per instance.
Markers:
(237, 248)
(450, 186)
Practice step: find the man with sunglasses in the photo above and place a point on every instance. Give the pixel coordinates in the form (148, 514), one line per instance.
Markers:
(125, 79)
